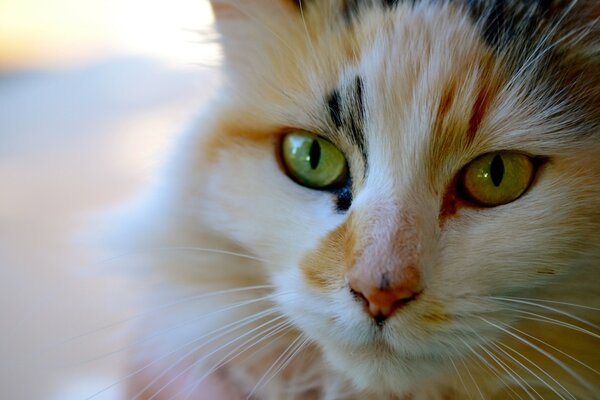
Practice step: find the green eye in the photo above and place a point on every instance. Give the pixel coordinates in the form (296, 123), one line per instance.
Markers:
(313, 161)
(497, 178)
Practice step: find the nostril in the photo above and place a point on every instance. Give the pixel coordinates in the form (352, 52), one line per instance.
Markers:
(403, 301)
(382, 303)
(359, 297)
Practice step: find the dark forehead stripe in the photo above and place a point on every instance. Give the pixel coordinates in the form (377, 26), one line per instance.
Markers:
(333, 103)
(500, 21)
(351, 9)
(347, 111)
(503, 22)
(356, 116)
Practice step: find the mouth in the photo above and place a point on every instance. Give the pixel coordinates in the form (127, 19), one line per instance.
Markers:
(381, 311)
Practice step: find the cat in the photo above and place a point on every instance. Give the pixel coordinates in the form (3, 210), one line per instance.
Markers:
(388, 199)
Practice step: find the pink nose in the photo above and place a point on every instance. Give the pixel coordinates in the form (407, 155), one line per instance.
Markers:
(381, 303)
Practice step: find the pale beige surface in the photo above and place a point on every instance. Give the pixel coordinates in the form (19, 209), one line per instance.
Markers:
(73, 143)
(66, 32)
(80, 134)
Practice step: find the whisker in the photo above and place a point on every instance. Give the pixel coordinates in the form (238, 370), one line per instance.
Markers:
(293, 355)
(224, 330)
(206, 356)
(542, 318)
(559, 351)
(167, 306)
(511, 373)
(553, 302)
(458, 374)
(528, 370)
(262, 22)
(174, 327)
(539, 51)
(556, 310)
(308, 38)
(470, 375)
(185, 248)
(279, 330)
(474, 381)
(504, 367)
(558, 362)
(291, 348)
(307, 380)
(531, 372)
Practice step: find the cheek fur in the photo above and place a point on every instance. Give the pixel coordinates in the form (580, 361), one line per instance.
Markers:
(323, 268)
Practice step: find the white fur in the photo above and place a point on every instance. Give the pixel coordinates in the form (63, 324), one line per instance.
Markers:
(238, 199)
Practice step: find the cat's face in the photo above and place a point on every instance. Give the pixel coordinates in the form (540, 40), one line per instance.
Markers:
(391, 272)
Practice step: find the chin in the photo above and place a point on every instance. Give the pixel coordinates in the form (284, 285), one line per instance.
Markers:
(377, 369)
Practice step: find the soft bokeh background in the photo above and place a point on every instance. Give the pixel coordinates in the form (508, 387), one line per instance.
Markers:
(91, 94)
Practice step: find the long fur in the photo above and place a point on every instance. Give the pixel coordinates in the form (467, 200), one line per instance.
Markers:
(511, 298)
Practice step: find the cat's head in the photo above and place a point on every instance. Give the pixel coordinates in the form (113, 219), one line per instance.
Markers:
(400, 162)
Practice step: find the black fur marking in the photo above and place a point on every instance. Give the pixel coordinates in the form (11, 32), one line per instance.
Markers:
(503, 22)
(351, 9)
(390, 3)
(347, 111)
(500, 20)
(333, 102)
(356, 117)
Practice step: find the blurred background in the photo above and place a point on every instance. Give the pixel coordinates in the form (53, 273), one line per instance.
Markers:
(92, 93)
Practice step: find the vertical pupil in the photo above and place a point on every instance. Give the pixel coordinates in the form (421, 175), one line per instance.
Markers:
(497, 170)
(315, 154)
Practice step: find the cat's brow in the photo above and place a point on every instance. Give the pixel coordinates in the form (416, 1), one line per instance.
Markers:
(346, 110)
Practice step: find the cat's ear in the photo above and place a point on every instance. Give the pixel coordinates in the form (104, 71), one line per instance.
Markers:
(251, 30)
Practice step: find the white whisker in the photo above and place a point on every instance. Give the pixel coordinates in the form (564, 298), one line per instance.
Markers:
(185, 300)
(185, 248)
(542, 318)
(278, 330)
(210, 354)
(539, 50)
(292, 348)
(308, 38)
(558, 362)
(531, 372)
(471, 376)
(262, 22)
(458, 374)
(559, 351)
(502, 365)
(222, 330)
(174, 327)
(556, 310)
(553, 302)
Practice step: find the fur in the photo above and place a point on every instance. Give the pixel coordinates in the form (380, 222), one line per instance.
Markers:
(410, 92)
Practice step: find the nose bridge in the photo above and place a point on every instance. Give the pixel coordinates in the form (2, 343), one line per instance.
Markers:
(383, 259)
(386, 246)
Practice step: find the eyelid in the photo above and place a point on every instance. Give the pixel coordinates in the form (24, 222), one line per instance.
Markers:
(476, 185)
(328, 173)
